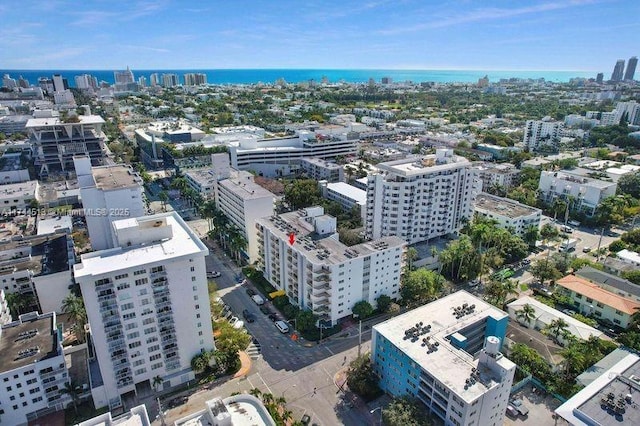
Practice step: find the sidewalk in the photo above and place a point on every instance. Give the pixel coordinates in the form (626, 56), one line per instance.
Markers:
(245, 361)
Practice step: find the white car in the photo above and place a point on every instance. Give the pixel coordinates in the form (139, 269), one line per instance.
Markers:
(282, 326)
(213, 274)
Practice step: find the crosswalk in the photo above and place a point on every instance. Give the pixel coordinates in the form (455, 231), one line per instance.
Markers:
(254, 349)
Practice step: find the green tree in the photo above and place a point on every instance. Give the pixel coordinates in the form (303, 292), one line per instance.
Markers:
(74, 306)
(531, 235)
(362, 309)
(544, 270)
(156, 382)
(361, 377)
(633, 276)
(74, 391)
(302, 193)
(405, 411)
(421, 286)
(411, 256)
(199, 362)
(163, 197)
(19, 303)
(574, 361)
(526, 314)
(556, 328)
(305, 321)
(383, 303)
(630, 184)
(549, 232)
(611, 210)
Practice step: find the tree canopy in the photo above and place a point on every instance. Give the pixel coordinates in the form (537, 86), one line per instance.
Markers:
(421, 286)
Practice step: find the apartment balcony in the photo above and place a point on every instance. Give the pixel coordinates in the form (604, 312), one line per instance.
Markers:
(324, 277)
(106, 297)
(169, 339)
(158, 274)
(160, 292)
(112, 326)
(320, 285)
(108, 306)
(103, 287)
(110, 316)
(320, 299)
(159, 282)
(321, 310)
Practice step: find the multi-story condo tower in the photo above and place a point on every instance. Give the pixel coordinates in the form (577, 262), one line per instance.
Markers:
(170, 80)
(195, 79)
(123, 77)
(631, 68)
(32, 369)
(55, 142)
(321, 274)
(108, 193)
(540, 134)
(243, 201)
(421, 199)
(618, 70)
(147, 304)
(435, 353)
(154, 79)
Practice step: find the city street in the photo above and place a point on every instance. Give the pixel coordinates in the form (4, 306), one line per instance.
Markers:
(302, 372)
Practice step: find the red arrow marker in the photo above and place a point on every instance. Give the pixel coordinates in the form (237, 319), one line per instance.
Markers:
(292, 238)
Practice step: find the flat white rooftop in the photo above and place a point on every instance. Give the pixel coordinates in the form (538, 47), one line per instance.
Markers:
(55, 121)
(183, 242)
(21, 189)
(448, 364)
(245, 189)
(426, 164)
(242, 410)
(349, 191)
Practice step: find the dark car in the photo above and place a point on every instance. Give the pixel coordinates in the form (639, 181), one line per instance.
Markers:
(177, 401)
(305, 420)
(273, 317)
(248, 316)
(250, 292)
(265, 310)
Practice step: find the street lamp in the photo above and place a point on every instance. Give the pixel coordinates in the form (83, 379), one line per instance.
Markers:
(376, 409)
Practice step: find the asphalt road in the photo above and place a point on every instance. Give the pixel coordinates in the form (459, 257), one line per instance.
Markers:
(285, 367)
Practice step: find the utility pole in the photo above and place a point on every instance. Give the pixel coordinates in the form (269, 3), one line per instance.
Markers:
(359, 337)
(161, 414)
(599, 244)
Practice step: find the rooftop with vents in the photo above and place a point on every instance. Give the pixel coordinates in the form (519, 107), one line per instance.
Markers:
(31, 338)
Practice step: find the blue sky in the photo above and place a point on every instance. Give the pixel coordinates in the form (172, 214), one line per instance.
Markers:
(580, 35)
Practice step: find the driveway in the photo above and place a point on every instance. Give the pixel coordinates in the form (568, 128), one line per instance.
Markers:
(541, 408)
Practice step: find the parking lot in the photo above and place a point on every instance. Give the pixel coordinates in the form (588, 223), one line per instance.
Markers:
(540, 407)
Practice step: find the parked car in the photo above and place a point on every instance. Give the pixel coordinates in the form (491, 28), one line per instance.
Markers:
(251, 292)
(265, 310)
(586, 249)
(519, 406)
(282, 326)
(273, 317)
(213, 274)
(238, 324)
(568, 312)
(233, 320)
(248, 316)
(177, 401)
(305, 420)
(258, 299)
(512, 411)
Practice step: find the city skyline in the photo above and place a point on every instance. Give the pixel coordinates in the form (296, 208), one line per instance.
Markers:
(164, 34)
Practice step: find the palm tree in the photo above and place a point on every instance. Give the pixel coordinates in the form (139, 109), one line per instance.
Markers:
(574, 360)
(74, 306)
(19, 302)
(255, 392)
(163, 197)
(157, 381)
(411, 255)
(74, 391)
(526, 314)
(556, 327)
(199, 363)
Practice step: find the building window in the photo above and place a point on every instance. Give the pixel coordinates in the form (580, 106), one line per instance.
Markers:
(140, 272)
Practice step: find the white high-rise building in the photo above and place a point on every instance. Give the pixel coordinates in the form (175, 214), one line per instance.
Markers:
(170, 80)
(195, 79)
(32, 369)
(243, 201)
(86, 81)
(446, 354)
(108, 193)
(320, 273)
(123, 77)
(542, 133)
(148, 305)
(59, 83)
(55, 142)
(420, 199)
(154, 79)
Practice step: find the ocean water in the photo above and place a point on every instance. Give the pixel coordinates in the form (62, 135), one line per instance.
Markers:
(252, 76)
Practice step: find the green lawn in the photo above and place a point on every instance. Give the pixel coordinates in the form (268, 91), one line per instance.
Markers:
(524, 287)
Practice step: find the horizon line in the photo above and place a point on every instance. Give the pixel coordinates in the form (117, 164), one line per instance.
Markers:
(304, 69)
